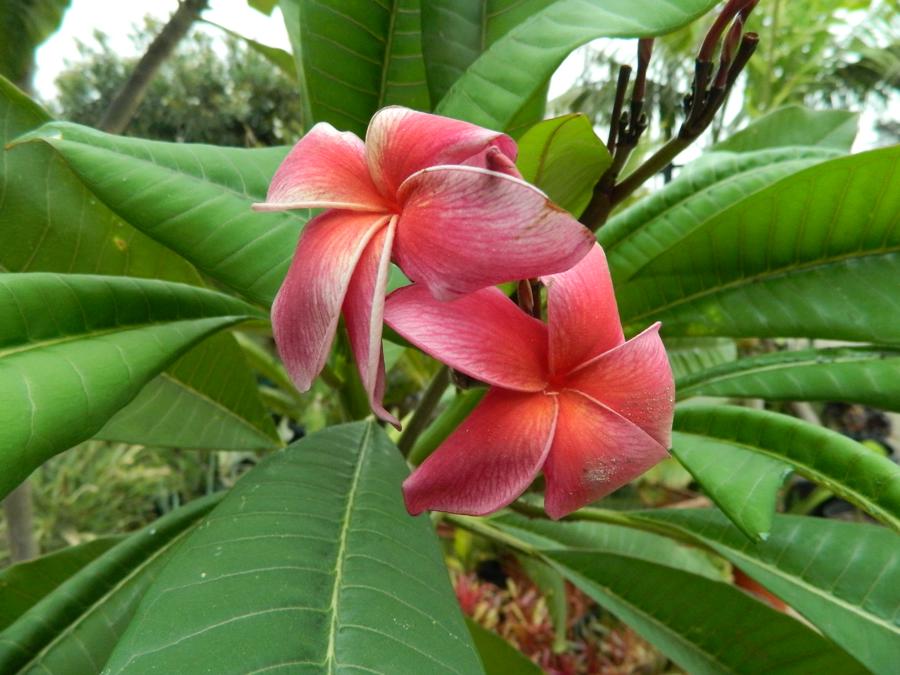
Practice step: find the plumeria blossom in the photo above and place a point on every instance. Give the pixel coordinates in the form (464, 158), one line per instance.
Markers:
(439, 197)
(571, 396)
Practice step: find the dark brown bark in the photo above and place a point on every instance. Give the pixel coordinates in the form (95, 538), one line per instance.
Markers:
(19, 519)
(129, 97)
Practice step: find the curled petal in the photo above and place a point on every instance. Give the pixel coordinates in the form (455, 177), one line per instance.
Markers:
(308, 304)
(595, 451)
(464, 228)
(327, 169)
(363, 312)
(489, 460)
(581, 312)
(400, 141)
(483, 334)
(635, 380)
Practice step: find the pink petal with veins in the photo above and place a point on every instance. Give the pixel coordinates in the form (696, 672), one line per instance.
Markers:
(363, 311)
(483, 334)
(463, 228)
(326, 168)
(582, 313)
(635, 380)
(595, 451)
(308, 304)
(400, 141)
(489, 460)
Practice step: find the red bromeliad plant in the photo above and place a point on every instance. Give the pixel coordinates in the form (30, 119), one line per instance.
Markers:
(591, 321)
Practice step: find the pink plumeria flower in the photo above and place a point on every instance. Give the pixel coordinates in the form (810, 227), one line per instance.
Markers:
(571, 396)
(431, 193)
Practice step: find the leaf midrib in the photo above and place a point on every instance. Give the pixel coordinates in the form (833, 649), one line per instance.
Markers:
(340, 559)
(767, 275)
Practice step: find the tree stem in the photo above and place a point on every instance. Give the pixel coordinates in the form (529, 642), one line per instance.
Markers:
(422, 416)
(19, 523)
(129, 97)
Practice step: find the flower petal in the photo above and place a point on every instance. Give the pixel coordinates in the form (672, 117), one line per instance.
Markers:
(400, 141)
(308, 304)
(327, 169)
(582, 314)
(595, 451)
(483, 334)
(635, 380)
(464, 228)
(363, 313)
(489, 460)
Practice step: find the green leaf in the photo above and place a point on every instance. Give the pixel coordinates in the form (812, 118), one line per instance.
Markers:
(553, 588)
(498, 657)
(194, 199)
(73, 629)
(640, 233)
(843, 577)
(280, 58)
(50, 222)
(704, 626)
(842, 465)
(206, 399)
(565, 159)
(690, 355)
(25, 24)
(355, 58)
(546, 535)
(263, 6)
(23, 585)
(313, 546)
(869, 375)
(742, 482)
(497, 85)
(74, 349)
(454, 34)
(795, 125)
(814, 255)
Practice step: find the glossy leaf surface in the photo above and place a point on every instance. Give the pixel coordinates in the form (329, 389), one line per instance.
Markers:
(195, 199)
(75, 349)
(845, 467)
(499, 83)
(73, 629)
(356, 57)
(206, 399)
(843, 577)
(867, 375)
(816, 254)
(314, 546)
(795, 125)
(564, 158)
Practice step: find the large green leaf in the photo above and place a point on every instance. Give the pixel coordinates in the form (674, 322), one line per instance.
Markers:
(23, 585)
(193, 198)
(74, 349)
(280, 58)
(356, 57)
(206, 399)
(868, 375)
(795, 125)
(454, 34)
(705, 625)
(650, 227)
(691, 355)
(565, 159)
(25, 24)
(844, 466)
(496, 86)
(73, 629)
(742, 482)
(817, 254)
(50, 222)
(313, 547)
(843, 577)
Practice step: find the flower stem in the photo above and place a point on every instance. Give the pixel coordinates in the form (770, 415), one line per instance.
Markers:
(422, 416)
